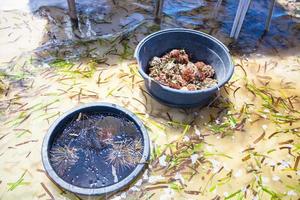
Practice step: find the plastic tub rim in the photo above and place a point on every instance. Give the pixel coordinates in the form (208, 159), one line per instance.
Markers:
(95, 191)
(211, 89)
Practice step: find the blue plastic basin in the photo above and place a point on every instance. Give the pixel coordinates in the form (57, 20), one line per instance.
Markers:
(200, 46)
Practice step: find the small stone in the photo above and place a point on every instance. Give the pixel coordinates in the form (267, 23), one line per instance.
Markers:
(162, 161)
(239, 173)
(264, 127)
(194, 158)
(135, 189)
(154, 179)
(178, 176)
(275, 178)
(225, 194)
(291, 193)
(186, 138)
(264, 180)
(255, 198)
(197, 131)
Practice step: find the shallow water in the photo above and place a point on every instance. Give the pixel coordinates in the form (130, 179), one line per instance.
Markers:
(246, 143)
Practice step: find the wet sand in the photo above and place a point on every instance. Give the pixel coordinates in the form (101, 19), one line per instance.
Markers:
(245, 145)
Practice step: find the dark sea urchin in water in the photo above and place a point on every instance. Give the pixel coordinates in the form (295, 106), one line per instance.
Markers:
(177, 71)
(63, 158)
(96, 151)
(125, 154)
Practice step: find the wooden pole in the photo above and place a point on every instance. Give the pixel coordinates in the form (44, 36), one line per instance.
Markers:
(72, 10)
(158, 10)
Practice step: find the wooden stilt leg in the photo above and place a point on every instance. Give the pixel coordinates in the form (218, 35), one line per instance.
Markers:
(158, 10)
(72, 9)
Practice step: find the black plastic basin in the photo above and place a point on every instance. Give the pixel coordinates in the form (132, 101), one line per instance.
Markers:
(92, 109)
(200, 46)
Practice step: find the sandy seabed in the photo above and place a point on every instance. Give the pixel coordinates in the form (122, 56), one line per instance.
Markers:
(244, 146)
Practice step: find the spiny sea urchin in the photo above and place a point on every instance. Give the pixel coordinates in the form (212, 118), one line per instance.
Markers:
(62, 158)
(108, 127)
(125, 154)
(137, 145)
